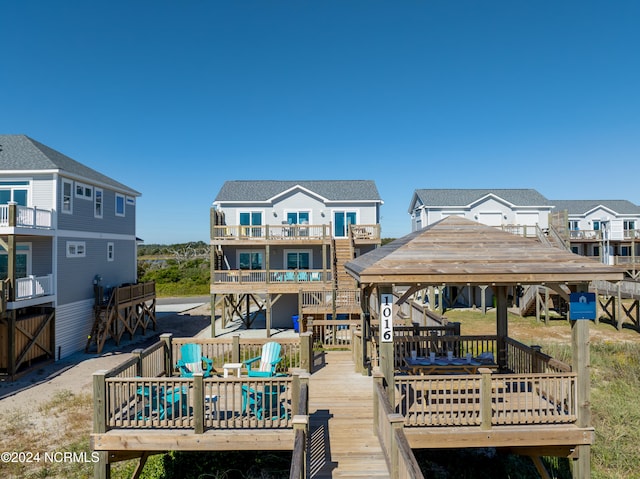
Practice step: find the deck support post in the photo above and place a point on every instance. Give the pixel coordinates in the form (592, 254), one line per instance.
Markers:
(397, 422)
(168, 353)
(198, 403)
(102, 468)
(485, 398)
(213, 315)
(386, 349)
(267, 313)
(378, 380)
(483, 299)
(619, 315)
(502, 328)
(581, 365)
(306, 351)
(235, 348)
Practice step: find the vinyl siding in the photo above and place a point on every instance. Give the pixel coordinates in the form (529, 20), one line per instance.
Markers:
(83, 217)
(75, 275)
(73, 326)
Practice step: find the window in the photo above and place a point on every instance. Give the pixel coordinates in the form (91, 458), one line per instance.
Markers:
(16, 191)
(110, 251)
(23, 261)
(67, 198)
(76, 249)
(97, 204)
(596, 225)
(574, 225)
(251, 218)
(84, 191)
(629, 225)
(131, 201)
(625, 250)
(250, 260)
(596, 251)
(298, 259)
(119, 204)
(298, 217)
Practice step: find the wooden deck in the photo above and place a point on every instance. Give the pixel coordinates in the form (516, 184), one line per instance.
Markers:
(342, 441)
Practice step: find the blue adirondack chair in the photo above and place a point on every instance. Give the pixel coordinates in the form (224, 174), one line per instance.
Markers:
(192, 361)
(269, 359)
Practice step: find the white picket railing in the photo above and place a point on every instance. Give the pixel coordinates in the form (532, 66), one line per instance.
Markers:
(34, 286)
(27, 217)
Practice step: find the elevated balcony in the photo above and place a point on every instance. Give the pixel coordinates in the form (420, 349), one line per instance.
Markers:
(273, 280)
(14, 217)
(289, 233)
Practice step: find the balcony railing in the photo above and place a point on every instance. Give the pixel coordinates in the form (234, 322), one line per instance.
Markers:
(271, 232)
(586, 234)
(27, 217)
(631, 234)
(34, 286)
(273, 276)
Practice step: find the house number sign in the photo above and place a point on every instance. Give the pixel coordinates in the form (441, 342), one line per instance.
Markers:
(386, 318)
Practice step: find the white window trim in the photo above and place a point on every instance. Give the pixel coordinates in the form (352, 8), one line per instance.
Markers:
(262, 212)
(287, 251)
(111, 251)
(130, 200)
(85, 188)
(95, 203)
(71, 195)
(124, 205)
(73, 247)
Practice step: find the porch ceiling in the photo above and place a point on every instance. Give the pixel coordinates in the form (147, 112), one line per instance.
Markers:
(456, 250)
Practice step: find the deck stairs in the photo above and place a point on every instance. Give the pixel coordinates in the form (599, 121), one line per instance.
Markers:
(343, 253)
(342, 441)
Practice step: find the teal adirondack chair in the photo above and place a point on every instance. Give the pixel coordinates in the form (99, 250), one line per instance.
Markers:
(264, 402)
(269, 359)
(161, 403)
(192, 361)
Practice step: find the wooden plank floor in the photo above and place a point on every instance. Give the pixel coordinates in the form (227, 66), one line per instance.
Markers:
(342, 442)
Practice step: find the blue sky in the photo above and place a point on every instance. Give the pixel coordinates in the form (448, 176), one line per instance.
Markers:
(174, 97)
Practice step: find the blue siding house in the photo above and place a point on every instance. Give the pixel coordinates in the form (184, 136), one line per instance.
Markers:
(63, 228)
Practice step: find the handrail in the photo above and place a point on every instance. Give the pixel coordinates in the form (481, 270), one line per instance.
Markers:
(388, 426)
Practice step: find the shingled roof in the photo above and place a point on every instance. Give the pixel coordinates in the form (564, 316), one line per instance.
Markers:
(581, 207)
(456, 250)
(331, 190)
(21, 153)
(465, 197)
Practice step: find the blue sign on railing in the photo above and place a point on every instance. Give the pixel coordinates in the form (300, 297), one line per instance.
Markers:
(582, 306)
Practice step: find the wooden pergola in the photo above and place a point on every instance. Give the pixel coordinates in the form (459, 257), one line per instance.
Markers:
(457, 251)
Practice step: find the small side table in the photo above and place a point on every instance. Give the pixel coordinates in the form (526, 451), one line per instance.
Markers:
(231, 366)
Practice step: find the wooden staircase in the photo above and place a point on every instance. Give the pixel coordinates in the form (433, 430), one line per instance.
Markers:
(343, 253)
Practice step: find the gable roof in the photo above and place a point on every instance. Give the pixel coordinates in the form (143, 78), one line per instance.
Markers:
(331, 190)
(456, 250)
(21, 153)
(465, 197)
(581, 207)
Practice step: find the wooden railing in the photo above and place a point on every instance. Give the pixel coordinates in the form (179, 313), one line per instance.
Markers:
(295, 353)
(300, 455)
(585, 234)
(364, 232)
(271, 232)
(140, 393)
(486, 400)
(284, 276)
(388, 425)
(528, 231)
(530, 359)
(332, 333)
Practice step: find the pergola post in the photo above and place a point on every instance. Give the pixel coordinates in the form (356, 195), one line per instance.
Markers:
(502, 325)
(387, 366)
(581, 365)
